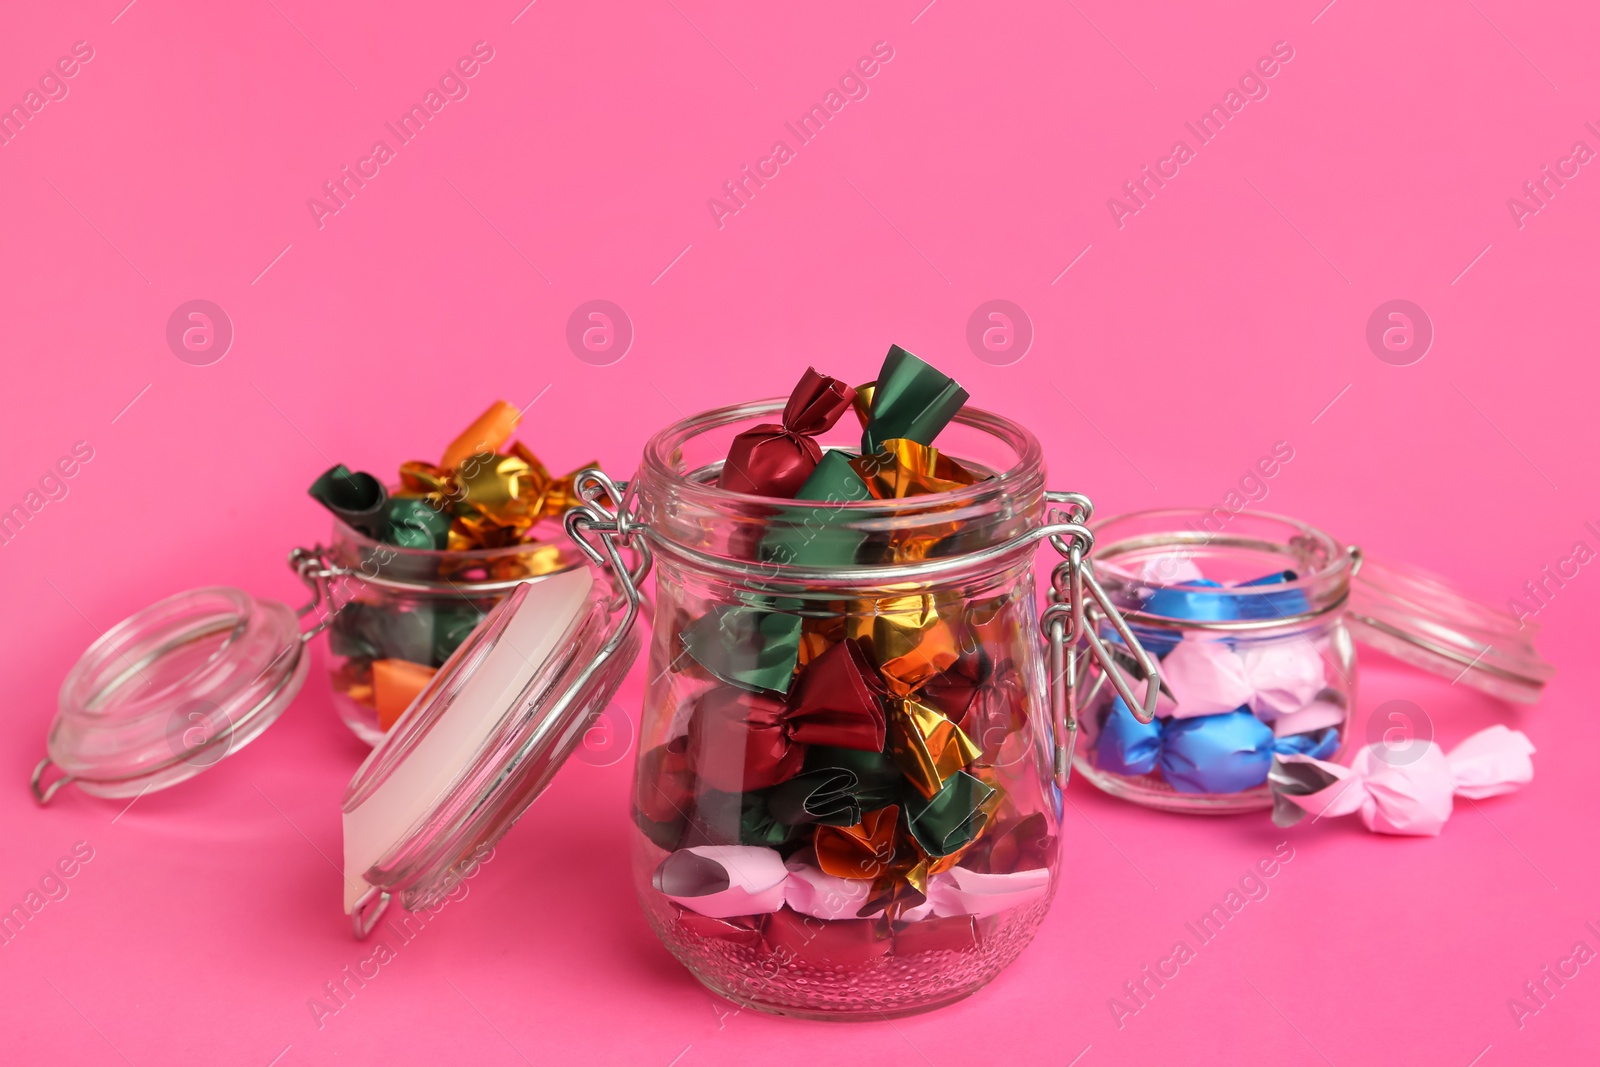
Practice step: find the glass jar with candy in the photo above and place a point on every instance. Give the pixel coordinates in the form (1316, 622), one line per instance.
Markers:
(412, 568)
(1255, 619)
(846, 792)
(1255, 657)
(855, 733)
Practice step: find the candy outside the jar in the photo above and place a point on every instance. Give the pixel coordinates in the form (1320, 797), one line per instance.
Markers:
(1405, 789)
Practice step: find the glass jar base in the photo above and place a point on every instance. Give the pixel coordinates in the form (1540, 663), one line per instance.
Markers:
(776, 979)
(855, 1015)
(1153, 793)
(362, 720)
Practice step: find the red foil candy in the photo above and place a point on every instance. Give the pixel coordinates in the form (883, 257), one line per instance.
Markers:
(773, 460)
(838, 701)
(666, 782)
(839, 942)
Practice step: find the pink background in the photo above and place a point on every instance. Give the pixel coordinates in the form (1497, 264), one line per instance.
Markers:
(1223, 317)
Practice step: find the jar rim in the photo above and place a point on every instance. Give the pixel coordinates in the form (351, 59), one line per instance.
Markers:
(345, 532)
(1328, 581)
(659, 467)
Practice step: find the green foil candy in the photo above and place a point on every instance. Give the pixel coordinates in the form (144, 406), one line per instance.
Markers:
(810, 537)
(953, 818)
(911, 400)
(356, 498)
(415, 523)
(746, 647)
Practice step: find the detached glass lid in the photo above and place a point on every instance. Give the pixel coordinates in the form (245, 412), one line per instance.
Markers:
(1427, 622)
(171, 691)
(1263, 571)
(490, 730)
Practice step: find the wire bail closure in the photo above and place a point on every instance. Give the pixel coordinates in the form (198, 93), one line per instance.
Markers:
(1078, 606)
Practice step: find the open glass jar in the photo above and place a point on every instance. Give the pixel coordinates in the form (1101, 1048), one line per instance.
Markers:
(847, 788)
(1255, 622)
(398, 613)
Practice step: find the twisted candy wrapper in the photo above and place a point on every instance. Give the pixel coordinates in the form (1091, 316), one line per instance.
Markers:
(1189, 599)
(724, 882)
(774, 460)
(1274, 677)
(1225, 753)
(910, 399)
(742, 740)
(1414, 797)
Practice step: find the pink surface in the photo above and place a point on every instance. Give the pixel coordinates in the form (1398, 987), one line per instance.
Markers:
(1168, 354)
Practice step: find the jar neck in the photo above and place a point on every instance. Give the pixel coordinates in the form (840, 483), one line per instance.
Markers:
(1267, 570)
(678, 500)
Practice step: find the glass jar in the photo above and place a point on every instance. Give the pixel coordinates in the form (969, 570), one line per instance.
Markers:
(874, 834)
(805, 861)
(398, 613)
(1255, 622)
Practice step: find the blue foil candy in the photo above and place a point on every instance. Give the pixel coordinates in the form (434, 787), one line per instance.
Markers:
(1225, 753)
(1272, 605)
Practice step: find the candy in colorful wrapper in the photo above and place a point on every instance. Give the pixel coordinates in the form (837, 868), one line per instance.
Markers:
(395, 684)
(776, 460)
(1273, 677)
(722, 881)
(1225, 753)
(839, 701)
(910, 640)
(960, 891)
(902, 468)
(929, 748)
(854, 739)
(815, 537)
(800, 939)
(738, 741)
(1402, 790)
(812, 891)
(1272, 605)
(953, 817)
(475, 497)
(747, 647)
(358, 499)
(910, 399)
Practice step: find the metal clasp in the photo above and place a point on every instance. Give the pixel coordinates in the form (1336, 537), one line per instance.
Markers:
(1078, 606)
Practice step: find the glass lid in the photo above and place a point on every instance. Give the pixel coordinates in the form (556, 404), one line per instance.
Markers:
(1424, 620)
(1170, 569)
(171, 691)
(485, 737)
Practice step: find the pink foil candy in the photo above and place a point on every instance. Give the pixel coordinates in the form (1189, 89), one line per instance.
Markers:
(812, 891)
(1206, 678)
(723, 880)
(1402, 791)
(960, 891)
(1284, 674)
(1315, 716)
